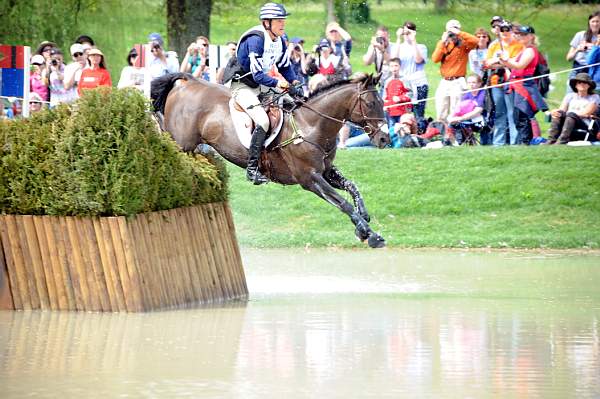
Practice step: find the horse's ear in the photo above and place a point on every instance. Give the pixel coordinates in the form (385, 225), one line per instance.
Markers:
(376, 78)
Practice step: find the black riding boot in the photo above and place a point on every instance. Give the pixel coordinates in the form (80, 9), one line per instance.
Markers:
(252, 173)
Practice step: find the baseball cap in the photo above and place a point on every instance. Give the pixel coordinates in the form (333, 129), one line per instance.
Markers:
(76, 48)
(324, 43)
(297, 40)
(156, 37)
(452, 24)
(525, 30)
(495, 19)
(38, 59)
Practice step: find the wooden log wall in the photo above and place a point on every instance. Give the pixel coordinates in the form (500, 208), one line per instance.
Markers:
(169, 259)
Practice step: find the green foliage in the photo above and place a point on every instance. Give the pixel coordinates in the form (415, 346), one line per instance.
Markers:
(105, 157)
(356, 11)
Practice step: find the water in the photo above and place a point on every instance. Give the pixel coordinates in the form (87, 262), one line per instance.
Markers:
(327, 323)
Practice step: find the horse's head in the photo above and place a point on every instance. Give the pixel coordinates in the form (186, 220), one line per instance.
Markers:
(367, 110)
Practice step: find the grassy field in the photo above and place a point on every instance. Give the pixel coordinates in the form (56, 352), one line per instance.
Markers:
(523, 197)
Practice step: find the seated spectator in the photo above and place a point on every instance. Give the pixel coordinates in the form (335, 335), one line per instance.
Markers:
(478, 55)
(96, 74)
(395, 93)
(36, 81)
(58, 93)
(131, 75)
(161, 62)
(196, 59)
(468, 112)
(341, 44)
(74, 69)
(574, 112)
(378, 52)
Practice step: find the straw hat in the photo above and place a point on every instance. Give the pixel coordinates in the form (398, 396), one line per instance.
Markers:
(95, 51)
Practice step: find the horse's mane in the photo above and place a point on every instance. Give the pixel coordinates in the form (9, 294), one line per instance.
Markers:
(357, 78)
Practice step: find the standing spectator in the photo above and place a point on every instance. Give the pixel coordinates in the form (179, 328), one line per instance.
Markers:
(395, 93)
(582, 43)
(74, 69)
(497, 73)
(298, 61)
(45, 50)
(413, 57)
(58, 93)
(341, 44)
(379, 51)
(328, 64)
(231, 49)
(478, 55)
(96, 74)
(575, 110)
(452, 52)
(85, 39)
(131, 75)
(161, 62)
(196, 59)
(36, 81)
(525, 94)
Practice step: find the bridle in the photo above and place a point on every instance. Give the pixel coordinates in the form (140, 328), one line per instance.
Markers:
(369, 130)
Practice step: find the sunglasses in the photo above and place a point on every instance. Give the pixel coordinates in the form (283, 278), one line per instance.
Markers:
(36, 64)
(155, 48)
(504, 29)
(46, 49)
(77, 54)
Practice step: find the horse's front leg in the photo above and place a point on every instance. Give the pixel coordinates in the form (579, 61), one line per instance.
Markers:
(337, 180)
(323, 189)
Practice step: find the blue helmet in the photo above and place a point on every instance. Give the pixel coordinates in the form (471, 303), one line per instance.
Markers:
(273, 11)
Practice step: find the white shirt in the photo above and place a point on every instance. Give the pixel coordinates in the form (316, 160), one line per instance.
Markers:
(158, 68)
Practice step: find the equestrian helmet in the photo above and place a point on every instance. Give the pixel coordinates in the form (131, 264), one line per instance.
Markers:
(273, 11)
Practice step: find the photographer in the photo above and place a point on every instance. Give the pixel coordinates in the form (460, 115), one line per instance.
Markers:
(161, 62)
(379, 52)
(196, 59)
(452, 52)
(298, 61)
(58, 93)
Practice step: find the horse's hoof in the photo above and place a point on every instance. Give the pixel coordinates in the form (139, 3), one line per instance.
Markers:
(361, 234)
(376, 241)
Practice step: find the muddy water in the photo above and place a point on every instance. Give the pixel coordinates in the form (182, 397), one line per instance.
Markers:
(325, 323)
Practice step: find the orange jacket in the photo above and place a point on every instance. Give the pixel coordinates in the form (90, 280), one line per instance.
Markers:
(454, 59)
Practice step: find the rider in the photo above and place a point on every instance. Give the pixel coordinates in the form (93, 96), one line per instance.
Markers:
(262, 62)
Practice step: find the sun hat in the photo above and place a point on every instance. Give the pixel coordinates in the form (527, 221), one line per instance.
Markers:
(585, 78)
(76, 48)
(156, 37)
(95, 51)
(332, 26)
(38, 59)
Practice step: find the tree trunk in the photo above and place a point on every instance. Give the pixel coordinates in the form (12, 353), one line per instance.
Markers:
(441, 5)
(187, 19)
(330, 11)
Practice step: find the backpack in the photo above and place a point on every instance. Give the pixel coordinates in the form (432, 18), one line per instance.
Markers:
(542, 69)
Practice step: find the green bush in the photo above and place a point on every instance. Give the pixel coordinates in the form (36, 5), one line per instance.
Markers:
(105, 156)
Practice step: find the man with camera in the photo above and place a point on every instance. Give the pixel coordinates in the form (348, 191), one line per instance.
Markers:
(378, 52)
(452, 52)
(161, 62)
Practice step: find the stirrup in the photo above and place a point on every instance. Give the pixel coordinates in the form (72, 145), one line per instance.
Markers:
(256, 177)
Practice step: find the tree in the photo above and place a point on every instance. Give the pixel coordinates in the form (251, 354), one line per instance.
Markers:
(187, 19)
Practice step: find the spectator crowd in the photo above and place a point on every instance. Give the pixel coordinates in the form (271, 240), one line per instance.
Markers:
(492, 82)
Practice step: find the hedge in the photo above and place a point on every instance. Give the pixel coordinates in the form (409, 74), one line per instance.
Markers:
(102, 157)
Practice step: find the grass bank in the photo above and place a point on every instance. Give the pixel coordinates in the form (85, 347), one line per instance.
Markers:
(519, 197)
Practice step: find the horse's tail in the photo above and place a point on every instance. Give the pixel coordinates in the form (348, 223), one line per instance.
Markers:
(161, 87)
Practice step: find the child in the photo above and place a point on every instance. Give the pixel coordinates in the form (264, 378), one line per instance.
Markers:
(394, 92)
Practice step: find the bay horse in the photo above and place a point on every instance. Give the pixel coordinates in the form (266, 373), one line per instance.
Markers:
(197, 112)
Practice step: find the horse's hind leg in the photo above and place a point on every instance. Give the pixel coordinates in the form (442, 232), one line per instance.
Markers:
(337, 180)
(323, 189)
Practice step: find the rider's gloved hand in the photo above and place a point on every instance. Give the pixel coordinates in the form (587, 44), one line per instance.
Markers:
(282, 84)
(296, 91)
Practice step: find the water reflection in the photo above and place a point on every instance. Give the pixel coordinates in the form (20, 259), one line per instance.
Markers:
(335, 324)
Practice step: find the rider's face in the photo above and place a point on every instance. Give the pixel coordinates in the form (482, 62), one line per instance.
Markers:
(278, 26)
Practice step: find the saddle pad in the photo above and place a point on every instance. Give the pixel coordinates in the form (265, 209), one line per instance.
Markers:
(244, 125)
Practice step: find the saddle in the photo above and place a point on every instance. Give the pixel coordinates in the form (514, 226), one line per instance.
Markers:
(244, 125)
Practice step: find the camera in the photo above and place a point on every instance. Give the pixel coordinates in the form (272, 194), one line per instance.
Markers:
(297, 48)
(380, 40)
(54, 62)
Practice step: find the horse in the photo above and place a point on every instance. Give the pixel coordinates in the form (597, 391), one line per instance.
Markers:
(197, 112)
